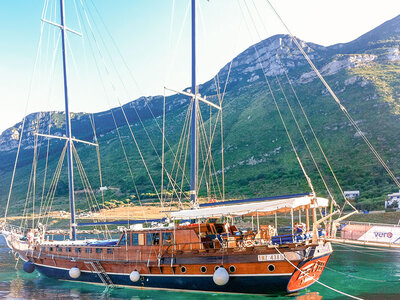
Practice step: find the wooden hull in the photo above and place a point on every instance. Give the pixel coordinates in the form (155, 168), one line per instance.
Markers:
(252, 284)
(250, 276)
(187, 264)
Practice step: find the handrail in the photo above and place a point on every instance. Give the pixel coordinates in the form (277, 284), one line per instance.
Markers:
(370, 223)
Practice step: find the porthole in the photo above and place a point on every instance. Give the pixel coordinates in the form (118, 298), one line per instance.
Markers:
(216, 268)
(183, 269)
(203, 269)
(232, 269)
(271, 268)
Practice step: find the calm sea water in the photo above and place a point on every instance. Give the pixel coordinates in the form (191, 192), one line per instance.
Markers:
(365, 273)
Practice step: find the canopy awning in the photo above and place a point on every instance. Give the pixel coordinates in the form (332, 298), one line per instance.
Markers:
(248, 209)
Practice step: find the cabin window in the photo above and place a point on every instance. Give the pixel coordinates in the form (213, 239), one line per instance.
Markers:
(78, 250)
(58, 249)
(212, 220)
(88, 250)
(141, 239)
(42, 248)
(153, 239)
(135, 239)
(99, 250)
(68, 249)
(109, 251)
(124, 240)
(167, 238)
(50, 249)
(220, 228)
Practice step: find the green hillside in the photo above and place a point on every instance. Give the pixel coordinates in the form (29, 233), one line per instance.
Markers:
(259, 160)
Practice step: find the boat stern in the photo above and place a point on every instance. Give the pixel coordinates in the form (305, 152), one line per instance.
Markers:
(310, 270)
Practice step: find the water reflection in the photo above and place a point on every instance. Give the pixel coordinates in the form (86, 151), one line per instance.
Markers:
(16, 287)
(309, 296)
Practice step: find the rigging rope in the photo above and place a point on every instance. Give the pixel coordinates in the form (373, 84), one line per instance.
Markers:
(312, 130)
(92, 119)
(127, 92)
(315, 280)
(305, 116)
(114, 120)
(146, 104)
(187, 144)
(181, 147)
(53, 186)
(163, 150)
(305, 141)
(50, 84)
(207, 147)
(44, 10)
(344, 110)
(45, 167)
(357, 277)
(126, 119)
(279, 111)
(130, 72)
(99, 73)
(90, 196)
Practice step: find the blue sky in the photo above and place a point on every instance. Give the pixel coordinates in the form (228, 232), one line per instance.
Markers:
(155, 47)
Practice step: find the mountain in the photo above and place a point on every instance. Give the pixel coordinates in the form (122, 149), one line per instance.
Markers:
(259, 159)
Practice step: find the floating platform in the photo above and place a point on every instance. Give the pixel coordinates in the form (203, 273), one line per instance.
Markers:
(371, 234)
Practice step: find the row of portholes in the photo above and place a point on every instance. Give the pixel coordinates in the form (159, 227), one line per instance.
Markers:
(203, 269)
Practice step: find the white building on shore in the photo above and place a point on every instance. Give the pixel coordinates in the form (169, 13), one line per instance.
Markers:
(393, 200)
(352, 194)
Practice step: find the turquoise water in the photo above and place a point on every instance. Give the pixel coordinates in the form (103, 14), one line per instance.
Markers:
(365, 273)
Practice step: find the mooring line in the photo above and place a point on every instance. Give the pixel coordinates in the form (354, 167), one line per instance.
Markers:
(315, 280)
(348, 275)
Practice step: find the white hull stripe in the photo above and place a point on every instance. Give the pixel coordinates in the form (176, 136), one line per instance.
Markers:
(180, 275)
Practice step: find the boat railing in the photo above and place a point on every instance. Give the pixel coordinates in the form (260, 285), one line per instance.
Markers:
(82, 255)
(6, 227)
(369, 224)
(240, 243)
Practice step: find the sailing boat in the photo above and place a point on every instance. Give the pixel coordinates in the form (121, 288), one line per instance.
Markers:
(205, 252)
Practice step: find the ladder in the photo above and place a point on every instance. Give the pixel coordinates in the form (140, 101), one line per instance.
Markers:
(99, 270)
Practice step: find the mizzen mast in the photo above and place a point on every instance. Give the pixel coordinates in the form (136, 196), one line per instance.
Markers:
(193, 142)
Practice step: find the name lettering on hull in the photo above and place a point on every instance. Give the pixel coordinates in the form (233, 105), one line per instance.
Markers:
(271, 257)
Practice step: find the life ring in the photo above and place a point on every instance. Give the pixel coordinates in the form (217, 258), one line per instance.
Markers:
(249, 243)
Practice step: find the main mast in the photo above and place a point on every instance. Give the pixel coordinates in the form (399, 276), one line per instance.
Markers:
(68, 126)
(193, 145)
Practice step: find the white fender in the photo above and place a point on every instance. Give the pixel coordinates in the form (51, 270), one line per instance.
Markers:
(74, 273)
(221, 276)
(134, 276)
